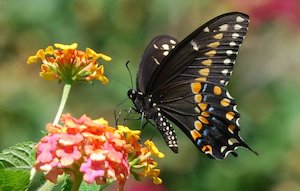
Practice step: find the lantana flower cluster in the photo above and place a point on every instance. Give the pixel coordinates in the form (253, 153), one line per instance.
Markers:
(95, 152)
(66, 63)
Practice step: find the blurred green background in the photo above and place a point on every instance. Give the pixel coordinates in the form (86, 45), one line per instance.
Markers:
(265, 82)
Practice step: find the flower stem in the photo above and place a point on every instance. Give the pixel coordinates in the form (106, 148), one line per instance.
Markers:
(63, 101)
(102, 187)
(46, 186)
(77, 182)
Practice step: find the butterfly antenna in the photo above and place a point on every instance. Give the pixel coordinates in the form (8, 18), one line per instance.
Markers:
(117, 80)
(127, 63)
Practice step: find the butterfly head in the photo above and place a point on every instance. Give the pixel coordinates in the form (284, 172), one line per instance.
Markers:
(132, 94)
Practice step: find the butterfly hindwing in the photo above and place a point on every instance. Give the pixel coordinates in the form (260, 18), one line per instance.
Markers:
(207, 114)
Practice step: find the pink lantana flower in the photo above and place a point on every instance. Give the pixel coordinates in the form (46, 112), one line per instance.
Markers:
(96, 152)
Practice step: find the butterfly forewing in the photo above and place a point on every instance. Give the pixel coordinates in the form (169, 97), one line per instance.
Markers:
(208, 53)
(153, 55)
(187, 84)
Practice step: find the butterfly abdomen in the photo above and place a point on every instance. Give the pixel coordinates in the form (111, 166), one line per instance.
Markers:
(166, 130)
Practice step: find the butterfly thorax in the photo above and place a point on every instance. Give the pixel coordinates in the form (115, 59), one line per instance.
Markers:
(143, 103)
(149, 109)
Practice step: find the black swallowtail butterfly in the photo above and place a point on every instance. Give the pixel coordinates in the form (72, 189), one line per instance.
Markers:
(185, 83)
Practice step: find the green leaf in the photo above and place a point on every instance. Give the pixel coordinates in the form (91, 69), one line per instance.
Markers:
(67, 184)
(15, 165)
(11, 179)
(22, 156)
(89, 187)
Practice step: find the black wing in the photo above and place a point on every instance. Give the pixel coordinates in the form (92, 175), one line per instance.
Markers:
(189, 85)
(213, 47)
(154, 53)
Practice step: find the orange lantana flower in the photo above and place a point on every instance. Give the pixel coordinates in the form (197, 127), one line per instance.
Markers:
(65, 62)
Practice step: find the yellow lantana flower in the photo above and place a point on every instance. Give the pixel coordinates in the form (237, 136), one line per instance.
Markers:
(66, 63)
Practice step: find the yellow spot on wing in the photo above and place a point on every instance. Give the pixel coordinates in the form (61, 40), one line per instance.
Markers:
(229, 115)
(204, 71)
(213, 45)
(231, 141)
(223, 27)
(210, 53)
(202, 106)
(201, 79)
(205, 114)
(225, 102)
(203, 119)
(240, 19)
(207, 149)
(231, 128)
(196, 87)
(198, 125)
(217, 90)
(223, 149)
(198, 98)
(207, 62)
(195, 134)
(218, 36)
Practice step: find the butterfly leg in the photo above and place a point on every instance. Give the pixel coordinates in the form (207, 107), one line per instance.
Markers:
(142, 119)
(131, 111)
(117, 116)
